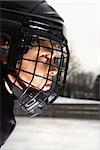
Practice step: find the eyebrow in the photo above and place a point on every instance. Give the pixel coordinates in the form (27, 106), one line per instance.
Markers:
(45, 43)
(55, 52)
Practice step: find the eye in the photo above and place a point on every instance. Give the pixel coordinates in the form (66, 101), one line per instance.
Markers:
(45, 57)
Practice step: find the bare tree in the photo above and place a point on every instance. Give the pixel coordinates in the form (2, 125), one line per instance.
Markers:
(96, 88)
(74, 65)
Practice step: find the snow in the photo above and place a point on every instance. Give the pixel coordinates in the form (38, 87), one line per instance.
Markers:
(63, 100)
(54, 134)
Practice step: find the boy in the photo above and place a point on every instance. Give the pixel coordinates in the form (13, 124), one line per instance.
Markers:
(34, 59)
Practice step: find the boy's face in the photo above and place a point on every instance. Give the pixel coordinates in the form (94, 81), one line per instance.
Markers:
(36, 61)
(35, 66)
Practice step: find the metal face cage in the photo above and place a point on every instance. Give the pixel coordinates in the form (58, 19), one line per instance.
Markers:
(34, 99)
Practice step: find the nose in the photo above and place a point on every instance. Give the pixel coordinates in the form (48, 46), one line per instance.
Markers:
(53, 71)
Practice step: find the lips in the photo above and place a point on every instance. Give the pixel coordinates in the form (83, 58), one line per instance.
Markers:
(47, 86)
(48, 83)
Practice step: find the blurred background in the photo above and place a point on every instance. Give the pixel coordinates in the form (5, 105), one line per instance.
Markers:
(73, 121)
(82, 21)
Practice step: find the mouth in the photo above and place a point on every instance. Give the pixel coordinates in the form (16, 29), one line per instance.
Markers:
(47, 86)
(48, 83)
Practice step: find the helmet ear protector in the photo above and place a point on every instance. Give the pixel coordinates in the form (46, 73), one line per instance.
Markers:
(31, 31)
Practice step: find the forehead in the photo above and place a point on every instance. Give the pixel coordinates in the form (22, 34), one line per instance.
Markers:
(47, 45)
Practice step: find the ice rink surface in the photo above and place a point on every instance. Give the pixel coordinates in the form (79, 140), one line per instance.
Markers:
(54, 134)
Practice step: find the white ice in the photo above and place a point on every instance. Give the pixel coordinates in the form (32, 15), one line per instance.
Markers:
(64, 100)
(54, 134)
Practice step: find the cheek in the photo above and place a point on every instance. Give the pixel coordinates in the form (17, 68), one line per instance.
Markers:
(27, 67)
(41, 69)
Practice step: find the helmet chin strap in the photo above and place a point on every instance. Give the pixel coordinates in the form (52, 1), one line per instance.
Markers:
(27, 101)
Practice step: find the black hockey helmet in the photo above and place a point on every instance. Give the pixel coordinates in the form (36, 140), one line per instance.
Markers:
(27, 24)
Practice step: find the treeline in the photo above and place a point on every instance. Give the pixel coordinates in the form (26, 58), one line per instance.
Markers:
(82, 85)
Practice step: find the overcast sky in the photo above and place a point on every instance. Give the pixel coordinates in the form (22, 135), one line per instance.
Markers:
(82, 19)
